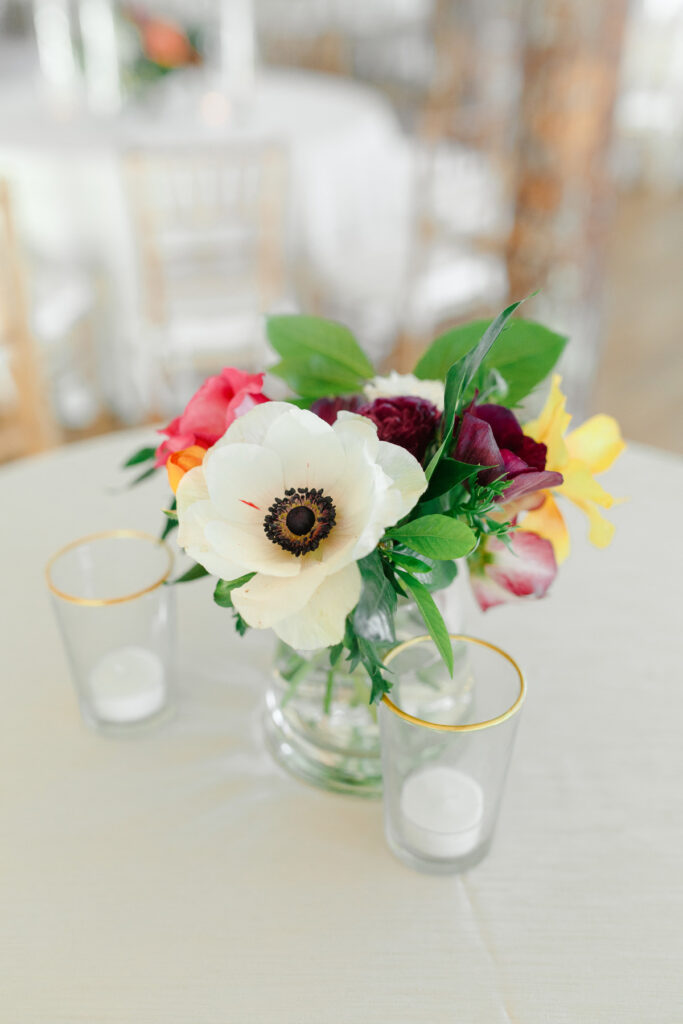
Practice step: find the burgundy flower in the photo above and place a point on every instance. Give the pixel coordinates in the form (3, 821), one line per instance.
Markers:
(489, 435)
(329, 408)
(406, 421)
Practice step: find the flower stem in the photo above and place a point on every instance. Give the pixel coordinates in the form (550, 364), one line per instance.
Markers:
(300, 673)
(329, 687)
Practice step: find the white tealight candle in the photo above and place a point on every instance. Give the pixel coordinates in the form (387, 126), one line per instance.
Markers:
(441, 811)
(127, 685)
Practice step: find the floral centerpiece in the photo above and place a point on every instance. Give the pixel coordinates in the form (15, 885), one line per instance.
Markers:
(332, 516)
(152, 47)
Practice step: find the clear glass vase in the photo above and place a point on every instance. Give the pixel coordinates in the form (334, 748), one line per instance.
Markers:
(319, 724)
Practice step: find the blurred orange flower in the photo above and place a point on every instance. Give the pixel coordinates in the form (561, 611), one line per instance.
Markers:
(180, 463)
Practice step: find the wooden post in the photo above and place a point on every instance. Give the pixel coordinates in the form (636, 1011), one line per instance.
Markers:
(570, 67)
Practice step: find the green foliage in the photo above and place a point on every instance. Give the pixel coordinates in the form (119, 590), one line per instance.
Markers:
(143, 476)
(172, 519)
(373, 617)
(222, 595)
(436, 536)
(448, 474)
(195, 573)
(363, 652)
(523, 355)
(458, 379)
(319, 357)
(142, 455)
(414, 565)
(240, 625)
(432, 617)
(440, 575)
(336, 653)
(318, 377)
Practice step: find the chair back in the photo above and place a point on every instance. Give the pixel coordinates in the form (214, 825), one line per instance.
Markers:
(208, 227)
(26, 421)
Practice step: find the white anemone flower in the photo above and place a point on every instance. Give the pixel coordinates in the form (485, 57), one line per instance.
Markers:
(396, 384)
(296, 501)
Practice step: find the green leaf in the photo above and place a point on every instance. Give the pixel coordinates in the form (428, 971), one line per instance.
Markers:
(524, 354)
(335, 653)
(316, 378)
(433, 618)
(222, 595)
(436, 536)
(461, 375)
(143, 455)
(143, 476)
(373, 617)
(447, 475)
(298, 338)
(172, 519)
(374, 668)
(458, 379)
(408, 562)
(195, 573)
(441, 575)
(448, 348)
(169, 526)
(240, 625)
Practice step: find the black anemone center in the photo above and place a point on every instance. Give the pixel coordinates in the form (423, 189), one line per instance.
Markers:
(300, 520)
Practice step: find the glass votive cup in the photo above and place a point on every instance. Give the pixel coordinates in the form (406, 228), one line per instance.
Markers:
(444, 772)
(116, 618)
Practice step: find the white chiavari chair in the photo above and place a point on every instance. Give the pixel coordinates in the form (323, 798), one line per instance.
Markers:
(209, 232)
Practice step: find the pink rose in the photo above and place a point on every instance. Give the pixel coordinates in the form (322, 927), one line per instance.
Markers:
(209, 413)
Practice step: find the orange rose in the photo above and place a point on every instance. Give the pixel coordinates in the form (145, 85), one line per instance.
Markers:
(180, 463)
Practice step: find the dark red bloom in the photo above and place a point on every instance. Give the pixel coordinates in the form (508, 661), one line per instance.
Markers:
(490, 435)
(406, 421)
(329, 408)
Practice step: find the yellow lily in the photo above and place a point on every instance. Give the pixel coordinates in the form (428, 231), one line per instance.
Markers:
(590, 449)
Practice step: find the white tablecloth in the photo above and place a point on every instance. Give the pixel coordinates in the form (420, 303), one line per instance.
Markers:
(181, 878)
(350, 192)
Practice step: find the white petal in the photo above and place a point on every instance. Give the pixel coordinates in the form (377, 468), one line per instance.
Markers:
(351, 428)
(214, 564)
(310, 452)
(243, 481)
(192, 487)
(254, 425)
(195, 512)
(405, 384)
(250, 549)
(406, 474)
(266, 600)
(320, 623)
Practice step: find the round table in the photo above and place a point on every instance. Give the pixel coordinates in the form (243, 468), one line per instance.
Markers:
(350, 191)
(181, 876)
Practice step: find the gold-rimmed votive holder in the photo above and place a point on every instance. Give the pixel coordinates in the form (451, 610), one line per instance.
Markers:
(444, 771)
(116, 618)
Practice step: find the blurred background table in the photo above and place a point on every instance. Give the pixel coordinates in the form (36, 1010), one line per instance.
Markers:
(181, 876)
(398, 166)
(345, 184)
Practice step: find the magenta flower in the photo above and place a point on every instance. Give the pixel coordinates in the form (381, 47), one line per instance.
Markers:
(499, 575)
(490, 435)
(209, 413)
